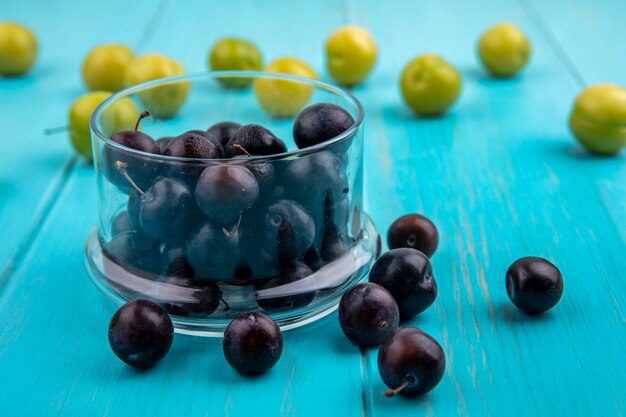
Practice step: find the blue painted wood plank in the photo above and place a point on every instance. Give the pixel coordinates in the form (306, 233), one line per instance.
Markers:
(34, 166)
(588, 36)
(502, 178)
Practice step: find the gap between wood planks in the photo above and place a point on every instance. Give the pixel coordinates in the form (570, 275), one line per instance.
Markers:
(53, 191)
(535, 17)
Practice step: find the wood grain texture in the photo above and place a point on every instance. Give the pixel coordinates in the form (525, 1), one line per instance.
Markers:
(500, 175)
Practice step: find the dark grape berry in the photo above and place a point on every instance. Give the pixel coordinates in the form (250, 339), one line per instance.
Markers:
(410, 362)
(163, 142)
(174, 261)
(312, 258)
(334, 245)
(265, 175)
(224, 192)
(185, 297)
(289, 230)
(534, 284)
(407, 274)
(121, 223)
(259, 259)
(166, 210)
(255, 140)
(319, 123)
(141, 333)
(193, 145)
(212, 254)
(289, 274)
(134, 248)
(414, 231)
(212, 138)
(368, 313)
(223, 131)
(119, 162)
(314, 177)
(253, 343)
(337, 214)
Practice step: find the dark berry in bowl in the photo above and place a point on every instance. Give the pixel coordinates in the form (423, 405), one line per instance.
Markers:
(414, 231)
(118, 163)
(410, 362)
(289, 274)
(312, 258)
(214, 253)
(184, 297)
(334, 244)
(224, 192)
(408, 275)
(319, 123)
(134, 250)
(534, 284)
(223, 131)
(368, 313)
(254, 140)
(252, 343)
(121, 223)
(163, 142)
(311, 178)
(265, 174)
(289, 230)
(174, 262)
(193, 144)
(167, 210)
(141, 333)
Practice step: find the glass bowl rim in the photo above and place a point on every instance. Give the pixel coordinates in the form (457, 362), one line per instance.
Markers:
(351, 131)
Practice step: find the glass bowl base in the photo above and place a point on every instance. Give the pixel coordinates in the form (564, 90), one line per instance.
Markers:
(327, 284)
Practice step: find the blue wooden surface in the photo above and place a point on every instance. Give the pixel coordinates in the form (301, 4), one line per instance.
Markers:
(500, 175)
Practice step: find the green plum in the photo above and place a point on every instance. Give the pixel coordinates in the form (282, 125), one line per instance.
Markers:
(18, 49)
(284, 98)
(105, 67)
(598, 119)
(235, 54)
(121, 115)
(163, 101)
(430, 85)
(350, 55)
(504, 50)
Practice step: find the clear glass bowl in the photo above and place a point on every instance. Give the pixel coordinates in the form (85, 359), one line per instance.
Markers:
(291, 254)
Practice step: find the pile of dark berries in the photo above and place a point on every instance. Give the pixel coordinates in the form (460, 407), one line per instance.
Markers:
(198, 224)
(214, 214)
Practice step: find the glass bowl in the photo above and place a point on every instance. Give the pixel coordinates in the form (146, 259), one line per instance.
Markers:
(290, 253)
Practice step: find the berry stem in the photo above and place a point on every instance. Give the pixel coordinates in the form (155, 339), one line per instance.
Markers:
(226, 306)
(230, 233)
(121, 167)
(242, 149)
(142, 116)
(55, 130)
(391, 392)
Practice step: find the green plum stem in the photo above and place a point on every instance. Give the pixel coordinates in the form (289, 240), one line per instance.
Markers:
(55, 130)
